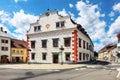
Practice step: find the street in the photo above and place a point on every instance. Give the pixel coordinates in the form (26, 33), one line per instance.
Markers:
(82, 73)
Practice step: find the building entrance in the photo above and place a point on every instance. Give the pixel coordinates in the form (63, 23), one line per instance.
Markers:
(4, 59)
(55, 58)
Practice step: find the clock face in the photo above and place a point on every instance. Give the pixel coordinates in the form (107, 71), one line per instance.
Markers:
(47, 13)
(47, 26)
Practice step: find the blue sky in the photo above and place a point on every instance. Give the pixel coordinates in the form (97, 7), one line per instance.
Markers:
(100, 18)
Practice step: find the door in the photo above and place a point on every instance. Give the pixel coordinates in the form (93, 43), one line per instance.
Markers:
(55, 58)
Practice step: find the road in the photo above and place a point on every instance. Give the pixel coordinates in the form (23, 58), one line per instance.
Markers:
(83, 73)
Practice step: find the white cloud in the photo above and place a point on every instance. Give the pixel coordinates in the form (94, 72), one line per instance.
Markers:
(16, 1)
(116, 7)
(111, 14)
(89, 18)
(70, 5)
(4, 16)
(114, 27)
(20, 21)
(63, 12)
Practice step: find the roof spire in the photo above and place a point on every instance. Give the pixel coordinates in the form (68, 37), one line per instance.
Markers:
(48, 9)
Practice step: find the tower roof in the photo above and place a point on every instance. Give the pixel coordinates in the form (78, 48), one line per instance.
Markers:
(118, 36)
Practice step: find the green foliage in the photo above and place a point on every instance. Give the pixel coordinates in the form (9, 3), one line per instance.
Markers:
(118, 55)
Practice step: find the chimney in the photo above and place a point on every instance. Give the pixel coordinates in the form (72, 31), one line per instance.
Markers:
(1, 29)
(5, 32)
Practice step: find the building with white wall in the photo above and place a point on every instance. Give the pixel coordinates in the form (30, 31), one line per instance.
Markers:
(118, 44)
(50, 32)
(5, 46)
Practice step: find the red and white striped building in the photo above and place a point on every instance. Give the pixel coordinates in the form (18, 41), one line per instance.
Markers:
(50, 32)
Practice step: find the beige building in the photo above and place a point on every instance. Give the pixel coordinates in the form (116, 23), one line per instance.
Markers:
(5, 47)
(107, 53)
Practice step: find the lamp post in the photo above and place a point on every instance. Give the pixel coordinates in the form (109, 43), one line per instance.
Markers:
(61, 52)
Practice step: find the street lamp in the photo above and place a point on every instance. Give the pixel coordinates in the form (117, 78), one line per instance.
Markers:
(61, 52)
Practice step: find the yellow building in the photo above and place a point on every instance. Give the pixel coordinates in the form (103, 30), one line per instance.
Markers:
(18, 51)
(106, 53)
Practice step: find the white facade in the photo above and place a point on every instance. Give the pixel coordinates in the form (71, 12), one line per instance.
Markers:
(118, 46)
(52, 26)
(5, 46)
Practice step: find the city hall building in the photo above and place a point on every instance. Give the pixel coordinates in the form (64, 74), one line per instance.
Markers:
(58, 39)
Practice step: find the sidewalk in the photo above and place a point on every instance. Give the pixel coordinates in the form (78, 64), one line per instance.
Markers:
(44, 66)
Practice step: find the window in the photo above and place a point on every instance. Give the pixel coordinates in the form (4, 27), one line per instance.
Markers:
(55, 42)
(44, 56)
(118, 48)
(60, 24)
(67, 42)
(67, 56)
(4, 41)
(32, 56)
(87, 56)
(118, 41)
(80, 56)
(44, 43)
(83, 44)
(80, 42)
(17, 52)
(13, 51)
(21, 52)
(87, 46)
(83, 56)
(4, 48)
(57, 24)
(32, 44)
(37, 28)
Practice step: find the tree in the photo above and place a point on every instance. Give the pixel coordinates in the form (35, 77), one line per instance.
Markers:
(118, 55)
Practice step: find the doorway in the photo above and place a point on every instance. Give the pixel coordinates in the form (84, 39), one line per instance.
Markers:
(55, 58)
(4, 59)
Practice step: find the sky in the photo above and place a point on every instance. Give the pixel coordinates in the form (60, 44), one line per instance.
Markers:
(100, 18)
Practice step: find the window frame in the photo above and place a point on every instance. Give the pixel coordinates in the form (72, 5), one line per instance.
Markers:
(67, 54)
(44, 56)
(44, 44)
(84, 44)
(32, 56)
(60, 24)
(67, 43)
(80, 42)
(55, 42)
(32, 44)
(80, 56)
(37, 28)
(84, 55)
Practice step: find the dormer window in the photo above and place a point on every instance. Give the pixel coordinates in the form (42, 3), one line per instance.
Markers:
(60, 24)
(37, 28)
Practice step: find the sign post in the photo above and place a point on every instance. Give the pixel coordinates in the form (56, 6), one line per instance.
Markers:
(61, 53)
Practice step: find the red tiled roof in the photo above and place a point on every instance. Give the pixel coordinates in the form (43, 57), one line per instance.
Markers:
(108, 47)
(18, 43)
